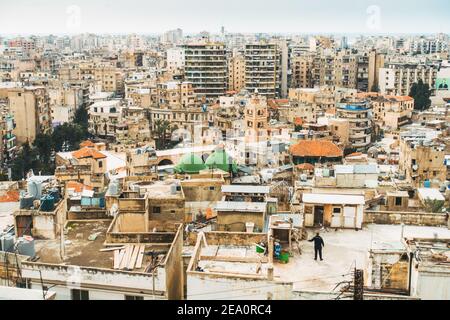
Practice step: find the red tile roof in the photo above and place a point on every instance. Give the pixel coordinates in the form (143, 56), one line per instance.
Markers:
(10, 196)
(77, 186)
(316, 148)
(88, 153)
(87, 143)
(305, 166)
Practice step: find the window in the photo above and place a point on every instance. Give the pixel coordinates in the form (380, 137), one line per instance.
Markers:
(212, 188)
(134, 298)
(100, 164)
(398, 201)
(156, 209)
(79, 294)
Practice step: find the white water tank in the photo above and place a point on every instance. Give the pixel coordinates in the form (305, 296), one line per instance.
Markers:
(250, 227)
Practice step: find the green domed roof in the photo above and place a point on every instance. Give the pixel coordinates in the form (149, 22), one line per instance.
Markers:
(221, 160)
(190, 163)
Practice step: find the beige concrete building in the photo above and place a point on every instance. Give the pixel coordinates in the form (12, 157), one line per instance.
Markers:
(302, 71)
(30, 107)
(236, 73)
(390, 112)
(422, 160)
(398, 78)
(206, 67)
(263, 69)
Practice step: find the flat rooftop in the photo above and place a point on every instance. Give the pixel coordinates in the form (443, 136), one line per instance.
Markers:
(344, 249)
(82, 252)
(232, 267)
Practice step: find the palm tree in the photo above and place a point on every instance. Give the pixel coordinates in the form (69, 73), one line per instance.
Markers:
(105, 121)
(161, 127)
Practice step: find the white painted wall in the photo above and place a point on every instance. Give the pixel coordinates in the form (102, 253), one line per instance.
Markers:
(204, 287)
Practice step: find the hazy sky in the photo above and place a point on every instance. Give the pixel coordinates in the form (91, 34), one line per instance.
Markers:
(276, 16)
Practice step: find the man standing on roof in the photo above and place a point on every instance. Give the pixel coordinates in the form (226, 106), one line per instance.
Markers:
(318, 245)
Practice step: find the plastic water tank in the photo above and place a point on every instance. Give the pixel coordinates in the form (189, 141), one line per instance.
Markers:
(25, 246)
(427, 184)
(35, 189)
(26, 201)
(55, 194)
(113, 188)
(47, 203)
(7, 241)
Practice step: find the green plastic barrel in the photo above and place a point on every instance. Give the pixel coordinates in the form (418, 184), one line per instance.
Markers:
(259, 249)
(284, 257)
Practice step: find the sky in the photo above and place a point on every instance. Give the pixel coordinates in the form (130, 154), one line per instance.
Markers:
(244, 16)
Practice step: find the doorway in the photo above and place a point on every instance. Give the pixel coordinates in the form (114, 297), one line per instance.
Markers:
(24, 225)
(318, 216)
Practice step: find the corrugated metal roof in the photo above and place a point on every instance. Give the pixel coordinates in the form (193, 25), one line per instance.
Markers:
(431, 194)
(332, 198)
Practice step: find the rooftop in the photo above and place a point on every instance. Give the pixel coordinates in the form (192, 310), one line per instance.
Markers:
(316, 148)
(245, 189)
(83, 243)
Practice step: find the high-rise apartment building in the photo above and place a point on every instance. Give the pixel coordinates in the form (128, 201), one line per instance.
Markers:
(237, 73)
(398, 78)
(30, 107)
(263, 69)
(206, 67)
(302, 71)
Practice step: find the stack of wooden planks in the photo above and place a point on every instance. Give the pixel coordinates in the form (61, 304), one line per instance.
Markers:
(129, 257)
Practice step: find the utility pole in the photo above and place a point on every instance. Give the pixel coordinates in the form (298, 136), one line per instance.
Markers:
(358, 285)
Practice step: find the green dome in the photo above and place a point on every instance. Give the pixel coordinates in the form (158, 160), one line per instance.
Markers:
(190, 163)
(221, 160)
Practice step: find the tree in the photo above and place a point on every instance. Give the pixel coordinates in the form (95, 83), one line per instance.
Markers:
(421, 93)
(69, 134)
(433, 206)
(24, 161)
(161, 127)
(82, 117)
(44, 146)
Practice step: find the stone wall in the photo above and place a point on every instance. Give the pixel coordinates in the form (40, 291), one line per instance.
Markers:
(408, 218)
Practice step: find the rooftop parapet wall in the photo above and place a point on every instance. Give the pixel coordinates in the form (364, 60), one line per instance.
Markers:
(408, 218)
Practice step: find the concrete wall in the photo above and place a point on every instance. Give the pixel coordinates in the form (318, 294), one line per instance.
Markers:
(408, 218)
(202, 286)
(318, 295)
(237, 238)
(235, 221)
(388, 270)
(209, 190)
(170, 209)
(94, 279)
(431, 283)
(97, 214)
(174, 268)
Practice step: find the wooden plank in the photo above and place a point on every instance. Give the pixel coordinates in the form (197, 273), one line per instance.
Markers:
(118, 261)
(124, 262)
(112, 249)
(133, 258)
(140, 256)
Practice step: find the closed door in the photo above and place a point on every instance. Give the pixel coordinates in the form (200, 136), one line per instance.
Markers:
(349, 217)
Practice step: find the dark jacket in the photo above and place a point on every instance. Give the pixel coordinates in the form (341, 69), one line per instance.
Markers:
(318, 242)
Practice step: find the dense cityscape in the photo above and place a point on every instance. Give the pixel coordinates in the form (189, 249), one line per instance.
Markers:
(224, 165)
